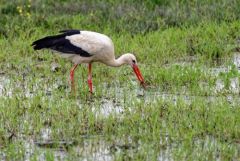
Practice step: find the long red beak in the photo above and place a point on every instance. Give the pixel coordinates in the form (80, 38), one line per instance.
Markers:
(139, 75)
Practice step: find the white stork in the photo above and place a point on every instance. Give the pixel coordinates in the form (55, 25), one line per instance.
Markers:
(87, 47)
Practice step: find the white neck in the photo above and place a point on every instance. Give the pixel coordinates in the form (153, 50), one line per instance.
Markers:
(117, 62)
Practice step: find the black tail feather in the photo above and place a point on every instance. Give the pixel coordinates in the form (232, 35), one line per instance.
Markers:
(51, 41)
(60, 43)
(47, 42)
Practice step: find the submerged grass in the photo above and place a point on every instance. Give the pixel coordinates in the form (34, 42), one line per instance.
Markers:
(161, 123)
(186, 51)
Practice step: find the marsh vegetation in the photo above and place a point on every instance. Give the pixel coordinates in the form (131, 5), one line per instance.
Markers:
(188, 52)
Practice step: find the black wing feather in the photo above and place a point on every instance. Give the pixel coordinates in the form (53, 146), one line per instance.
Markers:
(60, 43)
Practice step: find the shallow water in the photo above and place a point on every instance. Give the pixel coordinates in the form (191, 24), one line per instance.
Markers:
(5, 86)
(101, 148)
(98, 147)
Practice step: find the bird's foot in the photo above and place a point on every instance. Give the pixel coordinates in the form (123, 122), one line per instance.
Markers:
(143, 84)
(73, 90)
(90, 86)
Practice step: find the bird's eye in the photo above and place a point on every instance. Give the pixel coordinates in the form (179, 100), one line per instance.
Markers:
(134, 61)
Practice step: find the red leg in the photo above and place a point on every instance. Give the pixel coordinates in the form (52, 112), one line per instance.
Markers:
(90, 77)
(72, 78)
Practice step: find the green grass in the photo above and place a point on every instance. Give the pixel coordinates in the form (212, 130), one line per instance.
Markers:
(181, 115)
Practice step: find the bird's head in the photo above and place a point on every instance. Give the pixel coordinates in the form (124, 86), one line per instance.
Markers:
(132, 61)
